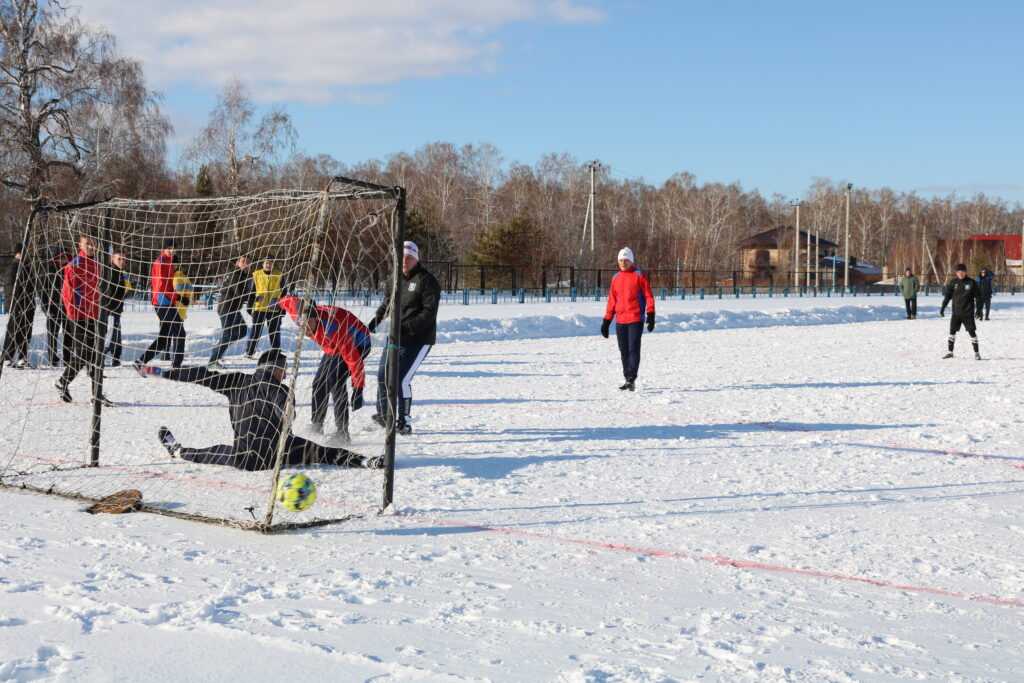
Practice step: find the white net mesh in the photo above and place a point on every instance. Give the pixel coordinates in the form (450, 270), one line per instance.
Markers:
(182, 300)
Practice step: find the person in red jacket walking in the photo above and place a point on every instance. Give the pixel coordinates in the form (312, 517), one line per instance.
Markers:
(172, 329)
(629, 296)
(80, 296)
(345, 341)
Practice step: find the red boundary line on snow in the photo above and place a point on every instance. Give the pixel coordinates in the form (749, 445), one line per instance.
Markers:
(748, 565)
(719, 560)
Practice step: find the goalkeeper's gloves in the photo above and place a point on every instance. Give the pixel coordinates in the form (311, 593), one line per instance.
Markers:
(605, 326)
(357, 399)
(650, 322)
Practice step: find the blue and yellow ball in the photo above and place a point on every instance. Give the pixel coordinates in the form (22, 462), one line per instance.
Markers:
(296, 492)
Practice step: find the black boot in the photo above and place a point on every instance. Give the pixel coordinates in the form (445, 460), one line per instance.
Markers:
(62, 387)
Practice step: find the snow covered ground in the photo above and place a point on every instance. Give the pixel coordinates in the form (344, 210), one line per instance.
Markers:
(800, 490)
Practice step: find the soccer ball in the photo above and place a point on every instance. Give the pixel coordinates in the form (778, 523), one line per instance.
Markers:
(296, 492)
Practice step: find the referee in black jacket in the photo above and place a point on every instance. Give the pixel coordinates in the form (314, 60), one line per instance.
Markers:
(421, 295)
(966, 296)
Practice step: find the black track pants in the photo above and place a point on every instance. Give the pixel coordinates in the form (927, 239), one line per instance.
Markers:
(298, 451)
(629, 337)
(967, 322)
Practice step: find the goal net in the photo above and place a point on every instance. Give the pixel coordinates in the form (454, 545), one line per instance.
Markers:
(201, 351)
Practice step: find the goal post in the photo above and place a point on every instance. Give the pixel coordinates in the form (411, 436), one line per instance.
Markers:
(338, 250)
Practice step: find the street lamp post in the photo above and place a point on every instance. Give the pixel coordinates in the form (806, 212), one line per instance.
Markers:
(846, 257)
(796, 249)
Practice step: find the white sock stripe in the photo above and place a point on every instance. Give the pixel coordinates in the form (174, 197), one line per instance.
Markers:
(407, 380)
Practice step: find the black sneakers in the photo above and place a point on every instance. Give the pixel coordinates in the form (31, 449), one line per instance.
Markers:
(628, 386)
(948, 355)
(62, 387)
(168, 441)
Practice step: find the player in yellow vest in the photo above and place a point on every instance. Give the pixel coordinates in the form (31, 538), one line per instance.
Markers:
(183, 288)
(269, 285)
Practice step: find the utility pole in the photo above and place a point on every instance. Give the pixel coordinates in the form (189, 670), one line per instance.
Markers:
(807, 273)
(846, 258)
(796, 248)
(588, 219)
(817, 256)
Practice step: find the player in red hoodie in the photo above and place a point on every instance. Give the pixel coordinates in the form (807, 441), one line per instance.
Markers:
(171, 336)
(80, 296)
(346, 344)
(628, 297)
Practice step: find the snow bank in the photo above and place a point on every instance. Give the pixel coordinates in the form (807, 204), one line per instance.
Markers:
(578, 325)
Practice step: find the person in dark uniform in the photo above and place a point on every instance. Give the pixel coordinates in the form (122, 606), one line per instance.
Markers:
(114, 287)
(257, 405)
(53, 283)
(421, 296)
(236, 293)
(20, 298)
(984, 292)
(963, 292)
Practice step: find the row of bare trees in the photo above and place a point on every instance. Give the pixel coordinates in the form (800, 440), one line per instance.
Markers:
(78, 122)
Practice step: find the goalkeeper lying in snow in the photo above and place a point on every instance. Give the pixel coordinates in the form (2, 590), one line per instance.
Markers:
(257, 407)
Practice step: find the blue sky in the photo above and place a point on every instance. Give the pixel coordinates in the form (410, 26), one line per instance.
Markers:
(919, 96)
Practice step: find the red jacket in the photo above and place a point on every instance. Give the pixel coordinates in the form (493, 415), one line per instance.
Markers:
(339, 333)
(628, 296)
(161, 280)
(80, 292)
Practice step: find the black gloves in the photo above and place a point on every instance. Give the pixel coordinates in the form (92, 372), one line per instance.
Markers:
(650, 322)
(357, 399)
(372, 325)
(942, 312)
(605, 326)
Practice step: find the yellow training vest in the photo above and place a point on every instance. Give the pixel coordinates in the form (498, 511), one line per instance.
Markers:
(268, 289)
(183, 286)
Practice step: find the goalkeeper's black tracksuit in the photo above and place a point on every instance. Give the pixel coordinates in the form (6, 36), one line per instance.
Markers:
(965, 296)
(257, 405)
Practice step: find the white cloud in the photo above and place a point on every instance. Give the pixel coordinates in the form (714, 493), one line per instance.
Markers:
(319, 50)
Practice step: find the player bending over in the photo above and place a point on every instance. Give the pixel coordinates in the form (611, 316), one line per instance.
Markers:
(346, 344)
(257, 405)
(963, 291)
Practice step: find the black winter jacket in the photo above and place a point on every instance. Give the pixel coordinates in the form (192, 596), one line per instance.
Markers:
(985, 287)
(421, 296)
(236, 292)
(113, 290)
(257, 405)
(964, 294)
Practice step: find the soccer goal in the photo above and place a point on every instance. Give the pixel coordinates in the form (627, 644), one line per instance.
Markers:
(131, 301)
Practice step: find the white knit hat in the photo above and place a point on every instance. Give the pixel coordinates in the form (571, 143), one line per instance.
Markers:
(626, 254)
(411, 250)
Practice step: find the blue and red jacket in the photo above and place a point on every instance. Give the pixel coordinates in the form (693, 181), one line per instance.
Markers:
(161, 280)
(629, 296)
(80, 292)
(338, 333)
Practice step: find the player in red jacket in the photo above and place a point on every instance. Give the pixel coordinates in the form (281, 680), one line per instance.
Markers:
(629, 296)
(80, 296)
(171, 336)
(346, 344)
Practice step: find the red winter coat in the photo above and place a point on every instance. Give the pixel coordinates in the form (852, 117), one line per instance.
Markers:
(80, 292)
(340, 333)
(161, 281)
(628, 297)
